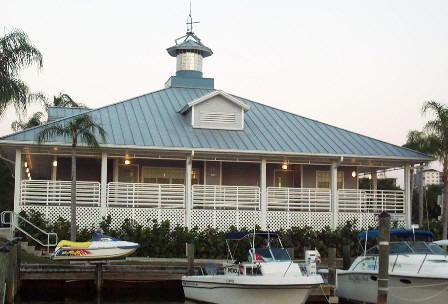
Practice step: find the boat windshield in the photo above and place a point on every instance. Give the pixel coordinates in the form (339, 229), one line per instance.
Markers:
(280, 254)
(410, 248)
(271, 254)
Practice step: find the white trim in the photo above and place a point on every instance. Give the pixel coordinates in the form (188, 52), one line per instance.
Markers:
(301, 176)
(220, 173)
(103, 197)
(192, 116)
(263, 196)
(205, 172)
(54, 169)
(17, 180)
(233, 151)
(211, 95)
(242, 118)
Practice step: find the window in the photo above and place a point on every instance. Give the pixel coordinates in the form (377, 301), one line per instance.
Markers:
(168, 175)
(323, 179)
(128, 173)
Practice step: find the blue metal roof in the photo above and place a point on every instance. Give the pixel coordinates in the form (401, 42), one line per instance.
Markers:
(61, 112)
(152, 120)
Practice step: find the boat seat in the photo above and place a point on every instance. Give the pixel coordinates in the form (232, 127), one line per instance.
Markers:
(209, 269)
(65, 243)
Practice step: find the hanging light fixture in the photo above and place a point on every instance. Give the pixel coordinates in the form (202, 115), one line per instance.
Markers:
(55, 163)
(354, 173)
(27, 170)
(29, 175)
(25, 164)
(285, 165)
(369, 176)
(127, 162)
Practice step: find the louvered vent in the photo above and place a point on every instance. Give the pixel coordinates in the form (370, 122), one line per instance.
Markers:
(217, 117)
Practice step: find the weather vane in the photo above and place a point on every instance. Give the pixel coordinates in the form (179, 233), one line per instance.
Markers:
(190, 22)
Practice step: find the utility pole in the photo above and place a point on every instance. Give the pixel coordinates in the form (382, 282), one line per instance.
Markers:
(420, 196)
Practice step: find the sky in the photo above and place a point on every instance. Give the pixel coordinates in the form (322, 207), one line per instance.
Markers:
(366, 66)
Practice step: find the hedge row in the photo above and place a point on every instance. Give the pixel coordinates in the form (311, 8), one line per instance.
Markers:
(162, 240)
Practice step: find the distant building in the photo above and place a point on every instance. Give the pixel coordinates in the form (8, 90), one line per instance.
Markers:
(430, 177)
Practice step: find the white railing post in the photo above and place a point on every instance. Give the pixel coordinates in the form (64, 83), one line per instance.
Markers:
(103, 191)
(263, 194)
(188, 190)
(159, 205)
(17, 180)
(407, 194)
(334, 194)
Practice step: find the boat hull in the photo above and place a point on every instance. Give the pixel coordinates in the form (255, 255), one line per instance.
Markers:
(93, 254)
(212, 289)
(403, 289)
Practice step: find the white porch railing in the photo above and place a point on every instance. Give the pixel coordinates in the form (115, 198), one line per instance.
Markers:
(145, 195)
(226, 197)
(45, 192)
(371, 201)
(299, 199)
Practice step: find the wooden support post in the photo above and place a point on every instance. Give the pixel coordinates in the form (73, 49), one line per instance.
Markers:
(11, 276)
(332, 273)
(291, 252)
(99, 278)
(420, 196)
(346, 258)
(3, 271)
(190, 258)
(383, 271)
(332, 265)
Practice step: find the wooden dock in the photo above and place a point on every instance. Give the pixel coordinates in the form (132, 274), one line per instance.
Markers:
(109, 272)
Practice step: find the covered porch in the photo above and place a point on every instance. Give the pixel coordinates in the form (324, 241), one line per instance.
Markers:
(201, 188)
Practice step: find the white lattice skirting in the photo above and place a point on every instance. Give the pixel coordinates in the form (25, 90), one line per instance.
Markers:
(88, 217)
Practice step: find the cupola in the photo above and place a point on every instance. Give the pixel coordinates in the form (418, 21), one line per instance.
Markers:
(189, 52)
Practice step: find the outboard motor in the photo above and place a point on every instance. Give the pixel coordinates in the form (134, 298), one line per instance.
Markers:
(311, 258)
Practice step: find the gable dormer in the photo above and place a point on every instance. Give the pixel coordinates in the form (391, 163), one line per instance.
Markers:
(216, 110)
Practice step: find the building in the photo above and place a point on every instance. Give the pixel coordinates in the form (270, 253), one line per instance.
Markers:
(199, 156)
(430, 177)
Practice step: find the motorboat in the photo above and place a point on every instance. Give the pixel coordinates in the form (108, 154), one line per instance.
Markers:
(268, 276)
(101, 247)
(418, 270)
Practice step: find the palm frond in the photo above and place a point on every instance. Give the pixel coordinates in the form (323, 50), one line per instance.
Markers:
(52, 131)
(64, 100)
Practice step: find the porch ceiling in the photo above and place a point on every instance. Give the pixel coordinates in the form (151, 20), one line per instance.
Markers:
(363, 163)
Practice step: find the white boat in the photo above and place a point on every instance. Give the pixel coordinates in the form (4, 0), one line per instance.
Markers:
(269, 276)
(101, 247)
(418, 271)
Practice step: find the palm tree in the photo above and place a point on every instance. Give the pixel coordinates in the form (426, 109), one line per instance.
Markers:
(33, 121)
(64, 100)
(16, 53)
(437, 131)
(61, 100)
(80, 128)
(425, 143)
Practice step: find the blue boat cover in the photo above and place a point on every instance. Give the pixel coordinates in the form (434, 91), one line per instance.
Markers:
(238, 235)
(400, 232)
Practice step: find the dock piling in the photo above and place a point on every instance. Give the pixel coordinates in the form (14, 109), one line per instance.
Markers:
(332, 273)
(99, 278)
(346, 258)
(383, 271)
(190, 258)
